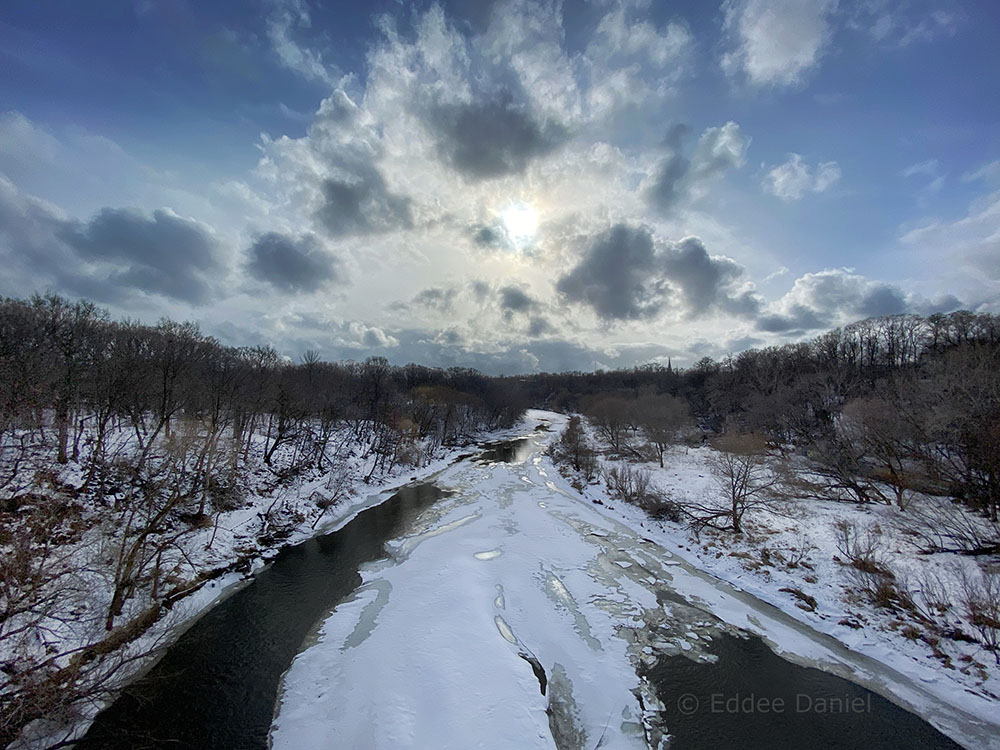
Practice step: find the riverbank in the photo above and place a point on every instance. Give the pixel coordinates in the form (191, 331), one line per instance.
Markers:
(788, 557)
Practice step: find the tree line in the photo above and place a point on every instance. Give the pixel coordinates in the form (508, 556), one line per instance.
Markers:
(881, 408)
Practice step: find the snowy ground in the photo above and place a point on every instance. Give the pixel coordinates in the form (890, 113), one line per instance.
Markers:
(516, 577)
(792, 545)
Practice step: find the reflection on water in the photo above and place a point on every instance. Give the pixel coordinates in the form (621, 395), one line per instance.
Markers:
(506, 451)
(216, 686)
(751, 698)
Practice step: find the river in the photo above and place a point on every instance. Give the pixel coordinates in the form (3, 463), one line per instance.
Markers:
(491, 608)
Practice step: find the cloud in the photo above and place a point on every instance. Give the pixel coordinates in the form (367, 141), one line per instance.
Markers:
(988, 173)
(162, 253)
(513, 299)
(117, 252)
(491, 137)
(362, 206)
(616, 275)
(372, 336)
(436, 298)
(23, 144)
(674, 178)
(334, 175)
(971, 243)
(623, 275)
(286, 18)
(793, 179)
(905, 22)
(629, 61)
(705, 282)
(837, 296)
(407, 168)
(480, 289)
(539, 326)
(485, 236)
(292, 264)
(928, 168)
(776, 42)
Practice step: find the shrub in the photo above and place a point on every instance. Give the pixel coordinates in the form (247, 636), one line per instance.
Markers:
(574, 449)
(981, 601)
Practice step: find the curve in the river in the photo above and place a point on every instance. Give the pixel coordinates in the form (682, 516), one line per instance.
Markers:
(215, 687)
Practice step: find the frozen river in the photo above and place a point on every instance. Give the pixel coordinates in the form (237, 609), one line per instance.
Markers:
(495, 609)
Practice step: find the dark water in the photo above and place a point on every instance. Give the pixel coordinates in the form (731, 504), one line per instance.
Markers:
(753, 699)
(216, 686)
(507, 451)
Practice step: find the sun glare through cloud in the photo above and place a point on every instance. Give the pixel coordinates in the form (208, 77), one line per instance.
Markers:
(520, 221)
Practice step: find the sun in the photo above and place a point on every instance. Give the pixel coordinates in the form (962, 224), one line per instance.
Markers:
(521, 223)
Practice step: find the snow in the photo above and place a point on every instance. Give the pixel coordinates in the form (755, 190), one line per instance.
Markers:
(440, 645)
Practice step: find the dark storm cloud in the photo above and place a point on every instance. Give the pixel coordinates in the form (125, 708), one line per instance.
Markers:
(943, 304)
(799, 318)
(163, 253)
(882, 299)
(118, 252)
(480, 288)
(666, 187)
(486, 236)
(623, 276)
(362, 205)
(438, 298)
(703, 281)
(292, 264)
(617, 275)
(515, 300)
(539, 326)
(491, 137)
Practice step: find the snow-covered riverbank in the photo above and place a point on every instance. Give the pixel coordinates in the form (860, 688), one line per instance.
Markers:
(788, 557)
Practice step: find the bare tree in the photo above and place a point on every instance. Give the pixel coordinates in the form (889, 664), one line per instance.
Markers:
(741, 468)
(981, 600)
(661, 417)
(879, 430)
(613, 419)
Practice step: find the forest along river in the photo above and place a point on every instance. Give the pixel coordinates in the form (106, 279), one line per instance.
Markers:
(494, 609)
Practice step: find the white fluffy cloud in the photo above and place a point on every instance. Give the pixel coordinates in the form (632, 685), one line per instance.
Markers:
(837, 296)
(776, 42)
(793, 179)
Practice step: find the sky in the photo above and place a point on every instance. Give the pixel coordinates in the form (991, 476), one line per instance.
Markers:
(511, 186)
